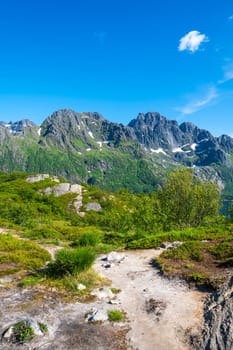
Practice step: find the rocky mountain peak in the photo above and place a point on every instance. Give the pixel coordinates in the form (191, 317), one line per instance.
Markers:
(188, 127)
(18, 126)
(150, 119)
(63, 126)
(154, 131)
(226, 142)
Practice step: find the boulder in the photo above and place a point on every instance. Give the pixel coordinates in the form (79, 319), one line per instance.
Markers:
(97, 316)
(75, 188)
(63, 188)
(34, 325)
(93, 206)
(103, 293)
(37, 178)
(8, 333)
(217, 332)
(171, 245)
(114, 257)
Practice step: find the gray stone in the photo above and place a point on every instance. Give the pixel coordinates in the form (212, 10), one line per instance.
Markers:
(114, 302)
(64, 188)
(97, 316)
(6, 279)
(81, 286)
(107, 265)
(103, 293)
(217, 332)
(61, 189)
(76, 189)
(93, 206)
(78, 202)
(114, 257)
(171, 245)
(34, 325)
(8, 333)
(37, 178)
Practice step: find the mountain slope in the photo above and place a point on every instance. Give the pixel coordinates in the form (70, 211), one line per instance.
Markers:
(86, 147)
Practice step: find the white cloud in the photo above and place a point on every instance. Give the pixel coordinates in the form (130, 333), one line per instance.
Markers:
(192, 41)
(197, 104)
(228, 73)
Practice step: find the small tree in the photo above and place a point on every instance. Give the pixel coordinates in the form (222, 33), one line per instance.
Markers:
(187, 201)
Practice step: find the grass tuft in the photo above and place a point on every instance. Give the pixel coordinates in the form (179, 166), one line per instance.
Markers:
(115, 315)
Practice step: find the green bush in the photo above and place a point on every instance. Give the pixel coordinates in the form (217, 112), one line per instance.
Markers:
(222, 251)
(88, 239)
(187, 251)
(144, 243)
(23, 332)
(21, 252)
(31, 281)
(197, 278)
(43, 232)
(71, 262)
(43, 327)
(116, 315)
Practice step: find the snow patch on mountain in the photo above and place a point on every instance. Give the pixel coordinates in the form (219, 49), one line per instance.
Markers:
(159, 150)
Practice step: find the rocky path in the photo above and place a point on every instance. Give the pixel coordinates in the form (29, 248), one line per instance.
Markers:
(161, 312)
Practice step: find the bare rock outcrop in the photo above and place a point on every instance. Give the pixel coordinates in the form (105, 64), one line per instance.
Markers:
(41, 177)
(93, 206)
(63, 188)
(217, 333)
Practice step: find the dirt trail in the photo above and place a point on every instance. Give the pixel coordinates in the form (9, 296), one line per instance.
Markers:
(178, 310)
(160, 312)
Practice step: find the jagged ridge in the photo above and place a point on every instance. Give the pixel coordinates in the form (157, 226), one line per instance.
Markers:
(87, 147)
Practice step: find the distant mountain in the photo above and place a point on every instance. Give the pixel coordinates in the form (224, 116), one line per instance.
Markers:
(18, 126)
(87, 147)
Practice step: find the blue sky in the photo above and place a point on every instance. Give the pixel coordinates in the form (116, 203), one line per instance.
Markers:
(118, 58)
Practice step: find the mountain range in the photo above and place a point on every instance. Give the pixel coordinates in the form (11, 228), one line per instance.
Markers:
(86, 147)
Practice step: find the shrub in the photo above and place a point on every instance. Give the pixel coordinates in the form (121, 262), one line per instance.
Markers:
(187, 251)
(71, 262)
(115, 290)
(116, 315)
(43, 232)
(88, 239)
(23, 332)
(222, 251)
(30, 281)
(197, 277)
(21, 252)
(147, 242)
(43, 327)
